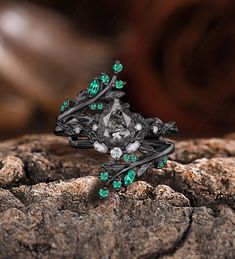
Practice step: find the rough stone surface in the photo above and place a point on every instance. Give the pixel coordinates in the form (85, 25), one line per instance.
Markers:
(12, 170)
(49, 206)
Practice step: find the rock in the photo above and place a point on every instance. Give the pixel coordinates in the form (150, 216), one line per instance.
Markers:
(50, 208)
(188, 151)
(11, 171)
(206, 234)
(207, 181)
(165, 193)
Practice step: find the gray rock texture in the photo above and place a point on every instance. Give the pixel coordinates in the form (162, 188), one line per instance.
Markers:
(49, 206)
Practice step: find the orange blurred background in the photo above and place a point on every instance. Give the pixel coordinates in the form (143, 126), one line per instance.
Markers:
(179, 59)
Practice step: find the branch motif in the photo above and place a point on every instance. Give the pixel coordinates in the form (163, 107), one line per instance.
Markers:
(98, 118)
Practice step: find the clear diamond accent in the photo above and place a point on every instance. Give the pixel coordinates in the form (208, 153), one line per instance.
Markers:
(116, 153)
(132, 147)
(77, 130)
(100, 147)
(155, 129)
(138, 126)
(95, 127)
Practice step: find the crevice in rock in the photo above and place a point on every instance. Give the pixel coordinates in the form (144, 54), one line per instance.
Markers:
(186, 161)
(177, 244)
(27, 183)
(38, 248)
(21, 198)
(27, 179)
(212, 204)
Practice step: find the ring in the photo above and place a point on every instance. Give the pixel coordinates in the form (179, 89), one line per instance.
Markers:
(98, 119)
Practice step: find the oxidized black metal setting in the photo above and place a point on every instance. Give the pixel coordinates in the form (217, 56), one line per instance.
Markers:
(98, 119)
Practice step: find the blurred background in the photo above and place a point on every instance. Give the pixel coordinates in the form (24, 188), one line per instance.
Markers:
(179, 59)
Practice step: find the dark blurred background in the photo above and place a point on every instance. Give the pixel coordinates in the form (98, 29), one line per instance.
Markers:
(179, 59)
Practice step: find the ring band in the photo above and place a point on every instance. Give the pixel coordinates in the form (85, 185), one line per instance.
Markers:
(98, 119)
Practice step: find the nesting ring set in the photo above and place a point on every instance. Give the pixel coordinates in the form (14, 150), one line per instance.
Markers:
(97, 118)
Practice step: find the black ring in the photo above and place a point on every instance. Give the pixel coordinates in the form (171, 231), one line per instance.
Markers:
(98, 119)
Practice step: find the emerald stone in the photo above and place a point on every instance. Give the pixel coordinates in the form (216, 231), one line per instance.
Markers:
(100, 106)
(133, 158)
(117, 184)
(103, 193)
(104, 78)
(94, 87)
(129, 177)
(104, 176)
(64, 105)
(161, 164)
(126, 158)
(119, 84)
(165, 160)
(93, 106)
(130, 158)
(117, 67)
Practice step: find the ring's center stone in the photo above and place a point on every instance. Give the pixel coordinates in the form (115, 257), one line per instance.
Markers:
(116, 124)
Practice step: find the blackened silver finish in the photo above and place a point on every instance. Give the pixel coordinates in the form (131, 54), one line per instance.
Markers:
(116, 128)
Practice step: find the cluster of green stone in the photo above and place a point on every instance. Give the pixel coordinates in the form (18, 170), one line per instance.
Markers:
(117, 68)
(117, 184)
(162, 163)
(104, 78)
(64, 105)
(96, 106)
(94, 87)
(130, 158)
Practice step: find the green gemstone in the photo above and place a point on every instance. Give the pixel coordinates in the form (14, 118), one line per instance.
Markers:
(161, 164)
(64, 105)
(130, 158)
(165, 160)
(117, 184)
(104, 78)
(126, 158)
(104, 176)
(100, 106)
(94, 87)
(103, 193)
(119, 84)
(93, 106)
(117, 67)
(133, 158)
(129, 177)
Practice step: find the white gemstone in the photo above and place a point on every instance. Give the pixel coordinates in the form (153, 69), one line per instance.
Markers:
(132, 147)
(116, 153)
(155, 129)
(100, 147)
(95, 127)
(77, 130)
(138, 126)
